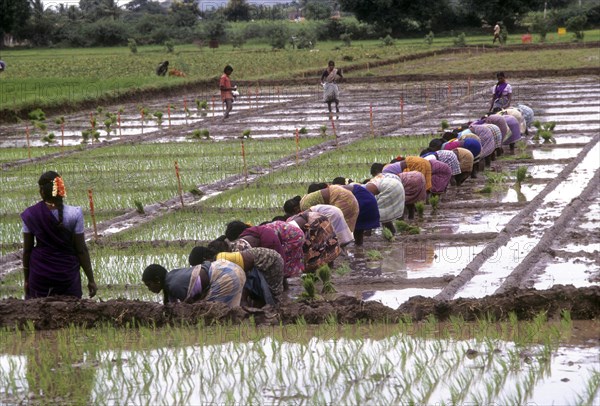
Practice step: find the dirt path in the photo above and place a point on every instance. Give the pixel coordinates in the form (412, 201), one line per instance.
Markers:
(62, 312)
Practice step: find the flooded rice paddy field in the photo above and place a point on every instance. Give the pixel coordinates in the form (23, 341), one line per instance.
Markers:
(510, 221)
(465, 263)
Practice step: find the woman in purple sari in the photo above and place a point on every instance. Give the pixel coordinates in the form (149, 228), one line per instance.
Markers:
(54, 246)
(501, 94)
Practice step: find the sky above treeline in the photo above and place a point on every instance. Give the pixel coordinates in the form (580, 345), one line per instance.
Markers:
(204, 4)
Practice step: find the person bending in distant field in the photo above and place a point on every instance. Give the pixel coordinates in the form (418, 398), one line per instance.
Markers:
(331, 92)
(54, 247)
(217, 281)
(226, 90)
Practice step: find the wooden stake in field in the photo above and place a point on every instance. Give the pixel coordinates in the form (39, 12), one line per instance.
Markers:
(142, 116)
(28, 146)
(401, 111)
(449, 96)
(297, 145)
(179, 183)
(427, 99)
(333, 128)
(62, 135)
(213, 105)
(244, 161)
(371, 119)
(185, 110)
(93, 125)
(249, 98)
(92, 212)
(278, 94)
(119, 121)
(169, 114)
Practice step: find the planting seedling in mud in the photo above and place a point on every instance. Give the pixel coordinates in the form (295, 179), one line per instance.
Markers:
(52, 265)
(389, 192)
(368, 212)
(334, 195)
(331, 92)
(263, 268)
(227, 90)
(280, 236)
(217, 281)
(413, 183)
(321, 245)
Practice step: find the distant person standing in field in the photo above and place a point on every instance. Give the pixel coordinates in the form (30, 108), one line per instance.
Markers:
(497, 33)
(331, 92)
(2, 66)
(227, 90)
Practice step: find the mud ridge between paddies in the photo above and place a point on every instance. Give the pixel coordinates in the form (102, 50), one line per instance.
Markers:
(61, 312)
(308, 77)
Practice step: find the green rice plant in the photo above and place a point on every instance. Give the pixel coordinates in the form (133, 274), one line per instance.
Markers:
(496, 178)
(201, 105)
(158, 116)
(139, 207)
(303, 131)
(401, 226)
(486, 189)
(374, 255)
(323, 274)
(434, 201)
(49, 139)
(420, 208)
(246, 133)
(544, 131)
(323, 130)
(444, 125)
(343, 269)
(387, 234)
(308, 283)
(521, 174)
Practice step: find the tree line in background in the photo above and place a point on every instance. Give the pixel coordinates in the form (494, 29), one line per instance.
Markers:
(105, 23)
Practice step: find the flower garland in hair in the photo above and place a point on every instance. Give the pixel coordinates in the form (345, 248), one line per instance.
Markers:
(58, 187)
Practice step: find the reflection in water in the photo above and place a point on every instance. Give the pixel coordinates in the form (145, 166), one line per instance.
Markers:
(298, 368)
(59, 374)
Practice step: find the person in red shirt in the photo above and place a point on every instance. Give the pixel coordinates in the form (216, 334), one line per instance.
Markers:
(226, 90)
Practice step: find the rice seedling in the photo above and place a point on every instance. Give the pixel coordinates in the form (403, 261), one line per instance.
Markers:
(343, 269)
(434, 201)
(387, 234)
(521, 174)
(544, 131)
(139, 207)
(323, 130)
(246, 133)
(420, 208)
(303, 131)
(309, 285)
(324, 274)
(374, 255)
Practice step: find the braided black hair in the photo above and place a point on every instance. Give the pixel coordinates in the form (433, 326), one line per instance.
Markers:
(46, 183)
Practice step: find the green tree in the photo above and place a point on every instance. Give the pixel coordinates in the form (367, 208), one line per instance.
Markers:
(237, 10)
(401, 15)
(13, 13)
(317, 9)
(184, 13)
